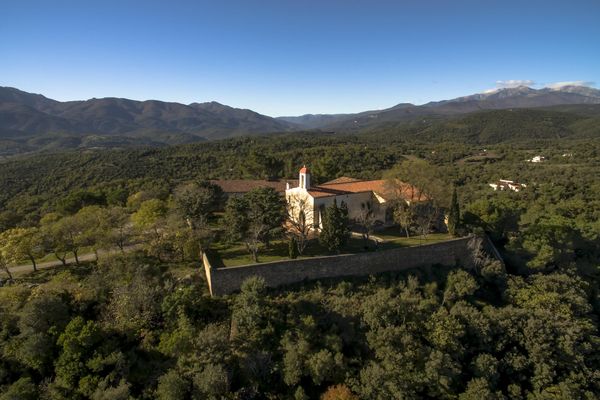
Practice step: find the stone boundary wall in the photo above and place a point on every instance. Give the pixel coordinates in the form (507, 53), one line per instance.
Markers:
(222, 281)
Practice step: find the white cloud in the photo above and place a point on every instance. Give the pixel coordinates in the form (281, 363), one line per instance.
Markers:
(513, 83)
(558, 85)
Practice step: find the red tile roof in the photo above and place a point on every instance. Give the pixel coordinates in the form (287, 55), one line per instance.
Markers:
(245, 185)
(383, 188)
(341, 179)
(304, 170)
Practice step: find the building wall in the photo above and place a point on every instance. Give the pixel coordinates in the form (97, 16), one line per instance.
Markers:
(294, 197)
(224, 281)
(354, 202)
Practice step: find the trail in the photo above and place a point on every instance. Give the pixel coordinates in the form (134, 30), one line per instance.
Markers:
(27, 268)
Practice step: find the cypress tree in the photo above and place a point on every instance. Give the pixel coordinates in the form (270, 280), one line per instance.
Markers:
(293, 248)
(335, 232)
(454, 214)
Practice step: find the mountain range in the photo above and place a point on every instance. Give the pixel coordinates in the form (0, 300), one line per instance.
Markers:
(32, 122)
(508, 98)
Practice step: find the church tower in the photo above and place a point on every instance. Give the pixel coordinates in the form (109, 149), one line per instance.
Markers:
(304, 178)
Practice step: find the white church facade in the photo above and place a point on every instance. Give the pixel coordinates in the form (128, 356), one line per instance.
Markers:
(357, 194)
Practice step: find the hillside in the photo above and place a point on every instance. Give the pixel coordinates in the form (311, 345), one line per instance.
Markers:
(496, 126)
(520, 97)
(33, 122)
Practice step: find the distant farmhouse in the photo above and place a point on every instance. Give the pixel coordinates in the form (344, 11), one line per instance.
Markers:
(505, 184)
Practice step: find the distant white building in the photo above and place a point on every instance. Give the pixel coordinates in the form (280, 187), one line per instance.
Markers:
(505, 184)
(537, 159)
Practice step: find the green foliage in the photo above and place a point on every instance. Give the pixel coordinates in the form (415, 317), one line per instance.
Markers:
(195, 202)
(172, 386)
(263, 165)
(133, 326)
(293, 248)
(149, 213)
(454, 214)
(22, 389)
(459, 285)
(127, 329)
(335, 231)
(78, 199)
(254, 218)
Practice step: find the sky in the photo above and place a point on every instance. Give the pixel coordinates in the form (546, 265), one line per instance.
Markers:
(295, 57)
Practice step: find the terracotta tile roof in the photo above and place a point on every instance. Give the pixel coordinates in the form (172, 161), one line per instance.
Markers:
(341, 179)
(245, 185)
(304, 170)
(382, 187)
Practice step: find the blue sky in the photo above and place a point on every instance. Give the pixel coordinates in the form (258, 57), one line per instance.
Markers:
(294, 57)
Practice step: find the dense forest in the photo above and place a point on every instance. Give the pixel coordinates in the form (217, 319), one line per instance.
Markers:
(141, 324)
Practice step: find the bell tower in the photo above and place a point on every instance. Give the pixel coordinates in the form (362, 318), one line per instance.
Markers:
(304, 178)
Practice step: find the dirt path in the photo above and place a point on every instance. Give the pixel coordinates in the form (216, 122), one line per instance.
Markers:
(27, 268)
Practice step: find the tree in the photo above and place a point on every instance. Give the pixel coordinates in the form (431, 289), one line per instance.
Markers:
(117, 197)
(418, 180)
(211, 383)
(454, 214)
(293, 248)
(425, 213)
(459, 284)
(69, 234)
(403, 215)
(338, 392)
(117, 227)
(94, 228)
(20, 243)
(195, 203)
(4, 265)
(149, 220)
(77, 343)
(299, 213)
(78, 199)
(172, 386)
(366, 220)
(22, 389)
(249, 309)
(498, 217)
(62, 235)
(335, 232)
(254, 218)
(262, 165)
(424, 187)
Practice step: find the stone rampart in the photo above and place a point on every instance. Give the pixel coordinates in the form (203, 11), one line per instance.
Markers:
(222, 281)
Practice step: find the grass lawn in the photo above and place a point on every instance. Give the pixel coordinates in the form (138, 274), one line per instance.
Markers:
(396, 236)
(235, 255)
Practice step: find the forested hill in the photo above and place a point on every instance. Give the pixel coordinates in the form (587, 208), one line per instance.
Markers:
(141, 324)
(496, 126)
(31, 121)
